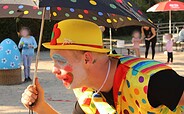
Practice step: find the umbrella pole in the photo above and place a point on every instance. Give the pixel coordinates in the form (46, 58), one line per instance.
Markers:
(110, 34)
(170, 22)
(39, 46)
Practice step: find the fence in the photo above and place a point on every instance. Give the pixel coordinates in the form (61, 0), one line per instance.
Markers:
(163, 28)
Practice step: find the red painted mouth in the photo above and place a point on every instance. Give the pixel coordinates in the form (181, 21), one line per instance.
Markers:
(67, 79)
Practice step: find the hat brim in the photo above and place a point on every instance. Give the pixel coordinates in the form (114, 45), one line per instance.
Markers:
(75, 47)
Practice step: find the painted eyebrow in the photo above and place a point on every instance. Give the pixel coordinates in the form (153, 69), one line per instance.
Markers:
(59, 57)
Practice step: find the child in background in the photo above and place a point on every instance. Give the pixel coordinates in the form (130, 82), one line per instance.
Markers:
(27, 43)
(169, 48)
(136, 42)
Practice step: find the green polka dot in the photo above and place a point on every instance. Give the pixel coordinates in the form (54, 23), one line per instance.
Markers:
(67, 15)
(174, 110)
(11, 12)
(131, 109)
(40, 13)
(144, 101)
(92, 105)
(73, 0)
(165, 111)
(94, 18)
(113, 6)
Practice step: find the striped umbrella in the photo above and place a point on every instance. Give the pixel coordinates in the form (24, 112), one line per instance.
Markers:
(167, 6)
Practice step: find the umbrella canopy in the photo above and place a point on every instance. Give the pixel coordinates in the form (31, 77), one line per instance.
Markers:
(22, 11)
(24, 2)
(111, 13)
(167, 6)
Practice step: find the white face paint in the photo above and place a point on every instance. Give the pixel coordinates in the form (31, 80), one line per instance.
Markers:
(69, 71)
(65, 75)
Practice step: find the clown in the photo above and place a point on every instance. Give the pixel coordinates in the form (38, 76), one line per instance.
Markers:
(106, 84)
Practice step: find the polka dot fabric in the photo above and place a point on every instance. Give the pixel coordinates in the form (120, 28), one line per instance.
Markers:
(22, 11)
(133, 97)
(110, 13)
(132, 92)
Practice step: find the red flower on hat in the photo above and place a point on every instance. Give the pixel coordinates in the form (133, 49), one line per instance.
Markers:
(55, 34)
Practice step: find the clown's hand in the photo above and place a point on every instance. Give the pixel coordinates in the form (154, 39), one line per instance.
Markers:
(33, 97)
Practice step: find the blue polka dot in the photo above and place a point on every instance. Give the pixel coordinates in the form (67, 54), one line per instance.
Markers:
(72, 10)
(128, 83)
(47, 8)
(21, 6)
(150, 113)
(131, 109)
(100, 13)
(134, 72)
(97, 95)
(144, 101)
(119, 93)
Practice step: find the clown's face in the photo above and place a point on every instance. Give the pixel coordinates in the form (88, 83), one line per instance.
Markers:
(69, 68)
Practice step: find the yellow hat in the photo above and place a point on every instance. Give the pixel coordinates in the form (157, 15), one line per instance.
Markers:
(76, 34)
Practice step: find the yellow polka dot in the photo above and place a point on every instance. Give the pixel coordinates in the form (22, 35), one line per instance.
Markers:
(54, 14)
(26, 12)
(93, 2)
(150, 20)
(129, 4)
(121, 19)
(115, 20)
(136, 91)
(129, 18)
(109, 21)
(80, 16)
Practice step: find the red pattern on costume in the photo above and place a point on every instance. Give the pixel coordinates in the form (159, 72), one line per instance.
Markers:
(154, 67)
(57, 32)
(84, 89)
(120, 75)
(87, 101)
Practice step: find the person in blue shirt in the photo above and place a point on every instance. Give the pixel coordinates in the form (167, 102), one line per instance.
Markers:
(27, 43)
